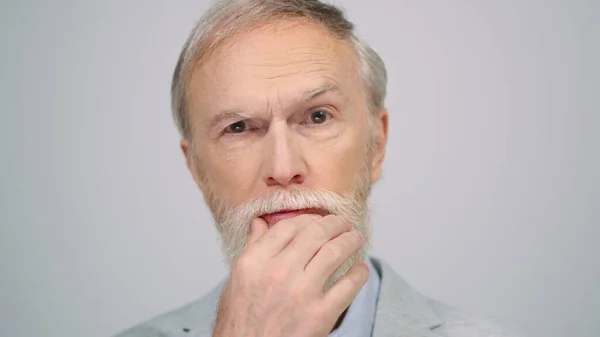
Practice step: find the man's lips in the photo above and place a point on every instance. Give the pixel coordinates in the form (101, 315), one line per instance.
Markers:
(273, 218)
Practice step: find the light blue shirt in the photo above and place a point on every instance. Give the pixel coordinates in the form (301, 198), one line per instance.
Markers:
(360, 316)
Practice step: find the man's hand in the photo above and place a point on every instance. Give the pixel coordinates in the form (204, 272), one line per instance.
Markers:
(276, 287)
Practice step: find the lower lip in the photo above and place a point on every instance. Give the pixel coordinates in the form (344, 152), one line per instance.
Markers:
(274, 218)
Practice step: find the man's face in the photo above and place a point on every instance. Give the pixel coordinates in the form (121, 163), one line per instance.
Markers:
(280, 122)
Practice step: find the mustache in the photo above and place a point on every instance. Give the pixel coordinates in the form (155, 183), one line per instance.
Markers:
(296, 198)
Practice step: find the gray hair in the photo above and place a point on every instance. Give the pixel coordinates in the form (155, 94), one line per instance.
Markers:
(227, 17)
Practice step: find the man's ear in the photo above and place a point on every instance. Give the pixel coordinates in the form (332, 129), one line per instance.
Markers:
(381, 134)
(187, 149)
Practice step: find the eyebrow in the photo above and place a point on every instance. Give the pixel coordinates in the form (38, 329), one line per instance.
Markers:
(319, 91)
(305, 97)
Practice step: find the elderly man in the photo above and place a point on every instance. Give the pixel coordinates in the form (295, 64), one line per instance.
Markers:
(281, 111)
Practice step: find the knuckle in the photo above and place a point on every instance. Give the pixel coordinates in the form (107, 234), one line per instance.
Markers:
(349, 241)
(244, 265)
(315, 217)
(356, 238)
(316, 230)
(334, 252)
(332, 218)
(339, 221)
(288, 228)
(320, 315)
(284, 230)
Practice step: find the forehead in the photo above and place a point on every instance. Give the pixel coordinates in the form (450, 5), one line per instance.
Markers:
(276, 61)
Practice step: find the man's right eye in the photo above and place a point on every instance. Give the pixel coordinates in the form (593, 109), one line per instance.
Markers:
(237, 127)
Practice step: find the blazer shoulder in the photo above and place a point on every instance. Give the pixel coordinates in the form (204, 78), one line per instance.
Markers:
(401, 307)
(458, 323)
(194, 319)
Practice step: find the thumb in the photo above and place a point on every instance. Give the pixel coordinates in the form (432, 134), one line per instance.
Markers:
(258, 227)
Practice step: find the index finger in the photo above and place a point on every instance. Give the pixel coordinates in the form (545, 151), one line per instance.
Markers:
(276, 238)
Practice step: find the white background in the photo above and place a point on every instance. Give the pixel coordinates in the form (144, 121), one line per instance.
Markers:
(490, 199)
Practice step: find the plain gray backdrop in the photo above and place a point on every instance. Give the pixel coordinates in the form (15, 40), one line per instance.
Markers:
(490, 197)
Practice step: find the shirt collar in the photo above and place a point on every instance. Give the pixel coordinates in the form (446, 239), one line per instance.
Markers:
(360, 316)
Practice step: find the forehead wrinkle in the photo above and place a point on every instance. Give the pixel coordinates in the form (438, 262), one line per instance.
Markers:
(291, 67)
(282, 58)
(291, 73)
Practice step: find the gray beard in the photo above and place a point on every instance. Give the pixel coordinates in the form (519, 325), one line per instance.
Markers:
(233, 224)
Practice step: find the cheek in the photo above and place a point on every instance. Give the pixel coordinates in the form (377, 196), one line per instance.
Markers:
(231, 173)
(336, 166)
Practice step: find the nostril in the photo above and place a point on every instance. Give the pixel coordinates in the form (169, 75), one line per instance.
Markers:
(272, 181)
(298, 179)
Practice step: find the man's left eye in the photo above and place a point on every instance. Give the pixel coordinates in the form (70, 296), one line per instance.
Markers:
(237, 127)
(319, 117)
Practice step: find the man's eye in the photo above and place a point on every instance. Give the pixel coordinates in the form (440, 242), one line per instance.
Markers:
(319, 116)
(237, 127)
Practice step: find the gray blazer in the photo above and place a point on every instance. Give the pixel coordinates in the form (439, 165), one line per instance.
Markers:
(401, 312)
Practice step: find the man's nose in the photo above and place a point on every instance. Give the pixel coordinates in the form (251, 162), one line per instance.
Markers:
(283, 163)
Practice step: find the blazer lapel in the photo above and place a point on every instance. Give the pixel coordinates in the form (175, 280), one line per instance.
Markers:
(401, 311)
